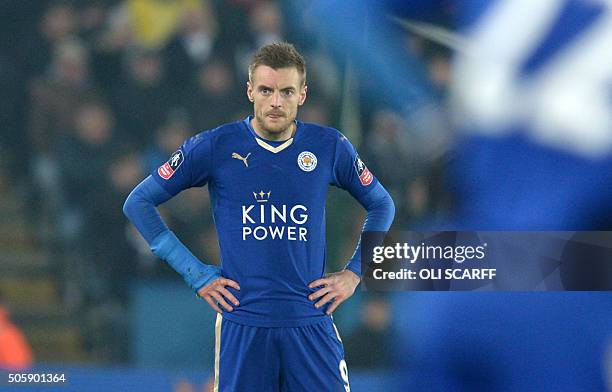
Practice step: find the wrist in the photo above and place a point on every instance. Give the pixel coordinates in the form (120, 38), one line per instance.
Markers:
(353, 276)
(209, 274)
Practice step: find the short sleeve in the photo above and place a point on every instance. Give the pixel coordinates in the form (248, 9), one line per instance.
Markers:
(189, 166)
(349, 171)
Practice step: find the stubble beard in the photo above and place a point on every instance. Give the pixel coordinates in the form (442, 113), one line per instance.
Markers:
(273, 129)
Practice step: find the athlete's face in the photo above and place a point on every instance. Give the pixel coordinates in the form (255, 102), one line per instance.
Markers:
(276, 95)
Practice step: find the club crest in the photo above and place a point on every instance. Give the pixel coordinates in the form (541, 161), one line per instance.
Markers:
(307, 161)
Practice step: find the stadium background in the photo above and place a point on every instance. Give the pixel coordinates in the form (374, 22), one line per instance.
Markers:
(96, 94)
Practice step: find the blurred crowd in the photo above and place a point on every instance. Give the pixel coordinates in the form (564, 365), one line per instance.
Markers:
(94, 95)
(15, 352)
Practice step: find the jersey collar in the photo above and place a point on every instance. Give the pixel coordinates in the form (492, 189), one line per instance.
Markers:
(272, 146)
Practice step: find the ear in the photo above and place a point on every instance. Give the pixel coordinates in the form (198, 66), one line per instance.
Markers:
(303, 95)
(250, 91)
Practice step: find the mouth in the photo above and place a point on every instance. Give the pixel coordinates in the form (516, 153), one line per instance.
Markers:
(275, 116)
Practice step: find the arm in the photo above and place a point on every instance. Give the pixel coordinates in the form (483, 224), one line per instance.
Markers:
(381, 211)
(340, 286)
(350, 173)
(205, 279)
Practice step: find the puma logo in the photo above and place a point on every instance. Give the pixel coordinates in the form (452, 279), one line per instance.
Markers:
(235, 155)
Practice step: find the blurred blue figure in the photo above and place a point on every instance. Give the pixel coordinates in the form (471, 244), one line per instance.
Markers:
(467, 341)
(532, 99)
(532, 96)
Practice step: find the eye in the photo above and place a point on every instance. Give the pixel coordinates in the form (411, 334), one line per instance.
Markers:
(288, 93)
(265, 91)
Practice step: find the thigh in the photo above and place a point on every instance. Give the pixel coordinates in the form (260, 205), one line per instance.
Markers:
(246, 358)
(312, 359)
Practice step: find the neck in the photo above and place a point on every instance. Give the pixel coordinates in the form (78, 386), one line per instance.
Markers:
(273, 136)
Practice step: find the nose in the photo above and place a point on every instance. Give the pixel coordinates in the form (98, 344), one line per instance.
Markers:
(276, 100)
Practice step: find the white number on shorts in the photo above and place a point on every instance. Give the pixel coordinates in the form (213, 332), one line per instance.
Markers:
(344, 373)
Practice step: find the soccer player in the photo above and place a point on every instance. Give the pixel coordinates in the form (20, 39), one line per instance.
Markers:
(268, 176)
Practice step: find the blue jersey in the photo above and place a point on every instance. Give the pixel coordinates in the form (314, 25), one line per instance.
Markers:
(268, 202)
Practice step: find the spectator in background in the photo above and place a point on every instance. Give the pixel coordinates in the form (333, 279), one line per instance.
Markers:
(19, 30)
(92, 16)
(53, 100)
(13, 100)
(15, 352)
(368, 347)
(54, 97)
(265, 22)
(388, 151)
(111, 258)
(191, 46)
(139, 100)
(57, 25)
(325, 79)
(416, 207)
(234, 15)
(112, 248)
(213, 100)
(424, 200)
(315, 112)
(84, 159)
(154, 22)
(109, 48)
(176, 128)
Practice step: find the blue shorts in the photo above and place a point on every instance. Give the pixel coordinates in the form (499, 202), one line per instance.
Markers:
(252, 359)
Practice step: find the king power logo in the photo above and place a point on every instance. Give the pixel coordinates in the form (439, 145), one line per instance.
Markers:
(263, 220)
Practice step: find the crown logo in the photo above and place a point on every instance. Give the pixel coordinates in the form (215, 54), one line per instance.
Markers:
(262, 197)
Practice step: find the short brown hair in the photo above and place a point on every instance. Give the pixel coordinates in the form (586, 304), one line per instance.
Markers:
(278, 55)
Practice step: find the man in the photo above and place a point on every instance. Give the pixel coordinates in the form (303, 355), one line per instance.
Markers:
(268, 176)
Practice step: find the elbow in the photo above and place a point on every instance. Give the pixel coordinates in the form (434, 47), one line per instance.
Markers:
(128, 206)
(390, 207)
(386, 207)
(381, 210)
(134, 202)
